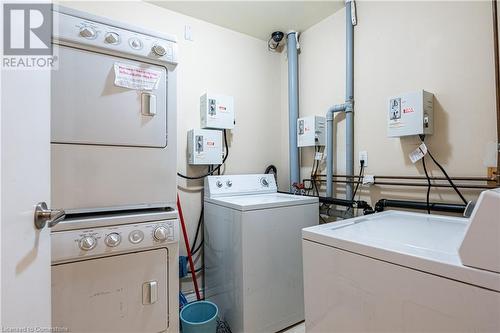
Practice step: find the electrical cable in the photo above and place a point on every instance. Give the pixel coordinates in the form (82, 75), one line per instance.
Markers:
(448, 177)
(215, 169)
(197, 270)
(361, 171)
(198, 227)
(428, 187)
(315, 184)
(313, 168)
(445, 173)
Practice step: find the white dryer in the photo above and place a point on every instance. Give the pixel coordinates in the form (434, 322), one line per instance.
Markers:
(113, 115)
(402, 272)
(253, 256)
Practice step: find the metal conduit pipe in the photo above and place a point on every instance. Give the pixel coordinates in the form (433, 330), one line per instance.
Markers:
(379, 183)
(349, 92)
(471, 179)
(293, 107)
(497, 80)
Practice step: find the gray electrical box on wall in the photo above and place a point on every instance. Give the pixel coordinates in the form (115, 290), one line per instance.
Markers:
(204, 146)
(410, 114)
(217, 111)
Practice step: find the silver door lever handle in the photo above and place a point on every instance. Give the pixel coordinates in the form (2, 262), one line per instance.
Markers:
(44, 215)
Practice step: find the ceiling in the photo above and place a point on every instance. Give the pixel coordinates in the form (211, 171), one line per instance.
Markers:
(256, 18)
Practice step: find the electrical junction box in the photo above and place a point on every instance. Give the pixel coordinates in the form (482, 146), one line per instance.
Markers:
(217, 111)
(204, 146)
(410, 114)
(311, 131)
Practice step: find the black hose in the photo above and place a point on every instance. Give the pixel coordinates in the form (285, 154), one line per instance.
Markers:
(442, 207)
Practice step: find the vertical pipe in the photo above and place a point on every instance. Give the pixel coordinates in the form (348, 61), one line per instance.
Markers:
(497, 80)
(329, 154)
(349, 97)
(330, 137)
(293, 107)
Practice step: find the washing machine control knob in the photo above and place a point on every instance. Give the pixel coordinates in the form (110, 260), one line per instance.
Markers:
(160, 234)
(264, 182)
(229, 183)
(218, 184)
(113, 239)
(87, 243)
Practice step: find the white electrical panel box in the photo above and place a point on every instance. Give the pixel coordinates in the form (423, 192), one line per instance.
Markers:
(410, 114)
(217, 111)
(204, 146)
(311, 131)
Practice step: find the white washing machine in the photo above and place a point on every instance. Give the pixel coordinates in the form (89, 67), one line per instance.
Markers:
(253, 256)
(405, 272)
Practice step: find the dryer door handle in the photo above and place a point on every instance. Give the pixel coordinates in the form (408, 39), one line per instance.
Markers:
(149, 292)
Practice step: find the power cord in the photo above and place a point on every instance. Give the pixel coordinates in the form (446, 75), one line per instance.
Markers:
(214, 170)
(428, 186)
(422, 137)
(360, 178)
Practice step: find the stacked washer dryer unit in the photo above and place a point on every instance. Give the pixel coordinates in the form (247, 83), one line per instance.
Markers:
(113, 133)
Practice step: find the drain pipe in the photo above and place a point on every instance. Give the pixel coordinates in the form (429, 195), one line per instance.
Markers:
(330, 137)
(350, 19)
(347, 107)
(293, 106)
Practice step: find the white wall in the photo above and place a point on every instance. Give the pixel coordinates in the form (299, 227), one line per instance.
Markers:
(442, 47)
(221, 61)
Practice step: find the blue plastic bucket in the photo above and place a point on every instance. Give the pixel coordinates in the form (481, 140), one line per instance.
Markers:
(199, 317)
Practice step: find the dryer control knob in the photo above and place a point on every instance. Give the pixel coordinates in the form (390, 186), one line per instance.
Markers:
(158, 50)
(87, 32)
(218, 184)
(160, 234)
(112, 38)
(229, 183)
(136, 236)
(113, 239)
(87, 243)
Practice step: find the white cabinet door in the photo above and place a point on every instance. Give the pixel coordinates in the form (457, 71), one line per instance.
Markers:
(25, 181)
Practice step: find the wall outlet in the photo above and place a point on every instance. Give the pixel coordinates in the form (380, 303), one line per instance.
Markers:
(363, 156)
(492, 175)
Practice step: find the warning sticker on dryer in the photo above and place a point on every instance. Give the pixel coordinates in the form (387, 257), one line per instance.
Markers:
(135, 77)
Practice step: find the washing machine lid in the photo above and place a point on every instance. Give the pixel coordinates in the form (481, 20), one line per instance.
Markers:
(262, 201)
(423, 242)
